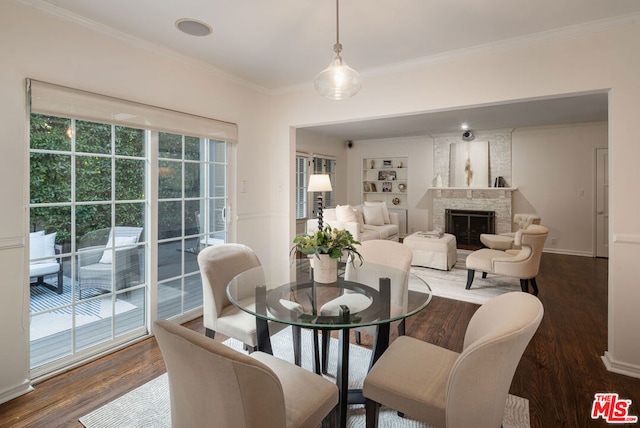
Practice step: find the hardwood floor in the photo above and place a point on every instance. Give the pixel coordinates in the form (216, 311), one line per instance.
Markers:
(559, 373)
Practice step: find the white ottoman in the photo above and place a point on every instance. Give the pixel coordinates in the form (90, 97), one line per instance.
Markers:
(436, 253)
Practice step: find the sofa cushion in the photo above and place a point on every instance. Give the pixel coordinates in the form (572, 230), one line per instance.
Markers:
(360, 218)
(384, 231)
(346, 213)
(373, 216)
(385, 211)
(369, 234)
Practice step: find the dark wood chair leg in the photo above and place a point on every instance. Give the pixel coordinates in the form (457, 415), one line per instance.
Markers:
(358, 337)
(534, 285)
(484, 275)
(470, 274)
(210, 333)
(297, 341)
(401, 327)
(372, 410)
(524, 284)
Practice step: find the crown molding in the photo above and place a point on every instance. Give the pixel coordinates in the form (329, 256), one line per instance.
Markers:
(564, 33)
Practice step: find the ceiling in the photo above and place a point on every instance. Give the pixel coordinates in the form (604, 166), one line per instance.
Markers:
(277, 44)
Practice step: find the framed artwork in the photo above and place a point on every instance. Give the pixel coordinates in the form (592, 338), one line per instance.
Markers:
(386, 175)
(387, 164)
(387, 186)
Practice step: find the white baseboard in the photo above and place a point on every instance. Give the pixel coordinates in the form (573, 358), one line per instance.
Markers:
(568, 252)
(16, 391)
(620, 368)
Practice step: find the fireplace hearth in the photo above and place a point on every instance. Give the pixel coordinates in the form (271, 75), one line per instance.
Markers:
(468, 225)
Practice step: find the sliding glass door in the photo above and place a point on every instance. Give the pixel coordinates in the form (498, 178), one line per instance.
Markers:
(87, 236)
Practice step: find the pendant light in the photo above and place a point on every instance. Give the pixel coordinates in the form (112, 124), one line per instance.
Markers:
(338, 81)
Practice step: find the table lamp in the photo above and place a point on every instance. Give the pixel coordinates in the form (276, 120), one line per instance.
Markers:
(319, 183)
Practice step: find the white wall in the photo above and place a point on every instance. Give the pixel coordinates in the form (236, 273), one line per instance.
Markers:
(554, 171)
(419, 150)
(41, 46)
(602, 61)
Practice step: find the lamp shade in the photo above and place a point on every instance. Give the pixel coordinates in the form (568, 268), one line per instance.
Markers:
(319, 183)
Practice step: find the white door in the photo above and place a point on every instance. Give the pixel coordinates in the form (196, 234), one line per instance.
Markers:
(602, 203)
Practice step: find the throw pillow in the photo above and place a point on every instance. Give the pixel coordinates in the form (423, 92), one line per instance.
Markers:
(41, 245)
(373, 215)
(107, 255)
(345, 213)
(385, 211)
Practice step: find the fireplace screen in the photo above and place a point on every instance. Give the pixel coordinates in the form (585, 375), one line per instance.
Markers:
(468, 225)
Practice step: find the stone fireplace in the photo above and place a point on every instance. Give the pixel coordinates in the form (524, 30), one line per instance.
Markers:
(495, 199)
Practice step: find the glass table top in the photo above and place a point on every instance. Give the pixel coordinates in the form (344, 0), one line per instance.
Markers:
(365, 294)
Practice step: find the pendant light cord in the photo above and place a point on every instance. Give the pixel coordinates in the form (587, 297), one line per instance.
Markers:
(337, 48)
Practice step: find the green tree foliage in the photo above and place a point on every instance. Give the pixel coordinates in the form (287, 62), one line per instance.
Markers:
(51, 175)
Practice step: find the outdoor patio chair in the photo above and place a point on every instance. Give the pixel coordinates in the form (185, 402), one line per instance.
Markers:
(41, 245)
(120, 255)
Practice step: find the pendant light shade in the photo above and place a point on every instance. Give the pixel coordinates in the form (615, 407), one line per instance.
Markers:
(338, 81)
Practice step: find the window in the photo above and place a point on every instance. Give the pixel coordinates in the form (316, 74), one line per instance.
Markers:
(117, 185)
(301, 187)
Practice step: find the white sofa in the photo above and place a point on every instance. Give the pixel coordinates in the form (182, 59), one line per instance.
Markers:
(376, 228)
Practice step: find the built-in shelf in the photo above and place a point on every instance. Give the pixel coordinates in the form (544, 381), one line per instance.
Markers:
(385, 179)
(507, 189)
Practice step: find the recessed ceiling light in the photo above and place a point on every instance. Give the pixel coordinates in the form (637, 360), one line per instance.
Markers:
(464, 126)
(193, 27)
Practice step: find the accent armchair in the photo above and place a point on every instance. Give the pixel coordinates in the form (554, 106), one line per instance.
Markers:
(457, 390)
(523, 263)
(211, 384)
(505, 241)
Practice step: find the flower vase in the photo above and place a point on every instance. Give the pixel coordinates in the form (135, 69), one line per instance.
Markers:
(325, 269)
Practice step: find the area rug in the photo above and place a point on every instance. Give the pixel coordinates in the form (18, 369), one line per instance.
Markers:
(450, 284)
(149, 405)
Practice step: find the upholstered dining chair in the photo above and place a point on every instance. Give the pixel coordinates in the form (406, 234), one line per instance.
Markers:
(211, 384)
(523, 263)
(219, 264)
(457, 390)
(382, 252)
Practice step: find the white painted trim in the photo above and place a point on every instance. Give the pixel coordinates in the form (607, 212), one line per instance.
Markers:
(11, 242)
(620, 368)
(626, 239)
(568, 252)
(11, 393)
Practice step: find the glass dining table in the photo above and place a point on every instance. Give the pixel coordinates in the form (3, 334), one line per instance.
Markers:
(364, 295)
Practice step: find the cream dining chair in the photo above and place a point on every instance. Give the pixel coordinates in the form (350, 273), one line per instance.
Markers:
(457, 390)
(380, 252)
(219, 264)
(212, 385)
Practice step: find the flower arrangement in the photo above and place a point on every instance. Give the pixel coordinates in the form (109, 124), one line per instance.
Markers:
(334, 242)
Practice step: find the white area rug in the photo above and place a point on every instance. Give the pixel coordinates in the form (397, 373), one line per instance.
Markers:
(450, 284)
(149, 405)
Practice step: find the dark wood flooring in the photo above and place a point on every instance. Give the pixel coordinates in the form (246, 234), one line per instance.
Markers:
(559, 373)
